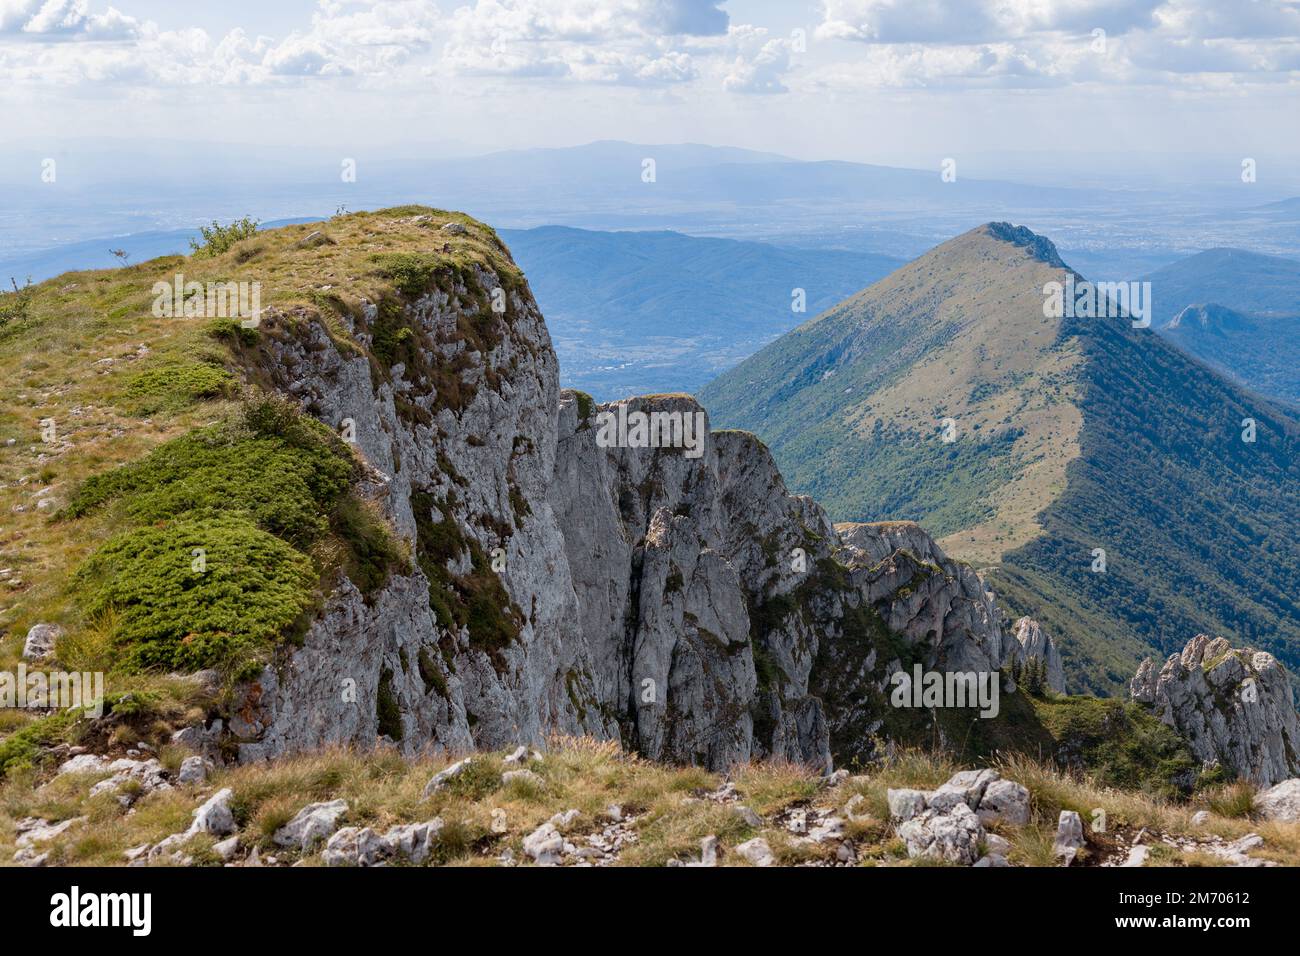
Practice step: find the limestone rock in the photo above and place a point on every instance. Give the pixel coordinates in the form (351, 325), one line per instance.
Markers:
(1004, 801)
(953, 836)
(1280, 801)
(1233, 706)
(310, 825)
(756, 852)
(40, 641)
(1036, 645)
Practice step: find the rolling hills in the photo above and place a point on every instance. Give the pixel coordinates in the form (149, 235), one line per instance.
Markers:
(1068, 435)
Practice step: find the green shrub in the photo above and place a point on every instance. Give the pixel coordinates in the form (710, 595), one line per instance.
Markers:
(218, 238)
(256, 494)
(284, 473)
(177, 384)
(15, 306)
(176, 611)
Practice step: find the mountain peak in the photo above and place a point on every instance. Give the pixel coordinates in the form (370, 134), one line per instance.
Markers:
(1040, 247)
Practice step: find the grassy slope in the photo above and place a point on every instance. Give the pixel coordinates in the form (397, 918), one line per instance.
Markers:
(852, 402)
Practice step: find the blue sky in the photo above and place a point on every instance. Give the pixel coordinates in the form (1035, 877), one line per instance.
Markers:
(870, 80)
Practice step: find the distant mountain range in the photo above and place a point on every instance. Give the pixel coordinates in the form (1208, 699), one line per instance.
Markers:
(639, 312)
(944, 394)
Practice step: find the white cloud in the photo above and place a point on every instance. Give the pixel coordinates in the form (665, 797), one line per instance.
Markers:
(759, 72)
(63, 19)
(631, 42)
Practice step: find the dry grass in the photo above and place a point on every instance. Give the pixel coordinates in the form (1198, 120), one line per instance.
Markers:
(669, 809)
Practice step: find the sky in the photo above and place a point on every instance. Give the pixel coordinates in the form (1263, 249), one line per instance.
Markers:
(886, 81)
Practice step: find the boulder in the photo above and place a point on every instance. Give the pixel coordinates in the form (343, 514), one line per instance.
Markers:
(310, 825)
(545, 845)
(40, 641)
(756, 852)
(953, 836)
(904, 804)
(1004, 801)
(1280, 801)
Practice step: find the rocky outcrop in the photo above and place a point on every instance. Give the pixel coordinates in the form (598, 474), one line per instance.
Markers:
(1036, 645)
(671, 595)
(1231, 706)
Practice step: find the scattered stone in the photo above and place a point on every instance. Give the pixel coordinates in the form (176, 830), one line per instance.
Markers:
(499, 824)
(1200, 818)
(442, 777)
(992, 859)
(40, 641)
(748, 815)
(313, 823)
(455, 229)
(836, 778)
(518, 756)
(544, 845)
(756, 852)
(798, 822)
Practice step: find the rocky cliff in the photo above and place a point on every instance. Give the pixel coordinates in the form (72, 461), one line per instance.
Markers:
(1234, 707)
(682, 602)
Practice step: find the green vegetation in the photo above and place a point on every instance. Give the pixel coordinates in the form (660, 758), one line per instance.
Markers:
(216, 565)
(477, 599)
(176, 384)
(15, 306)
(218, 239)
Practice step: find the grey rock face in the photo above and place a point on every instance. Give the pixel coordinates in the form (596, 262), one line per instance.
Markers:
(1036, 645)
(1233, 706)
(677, 599)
